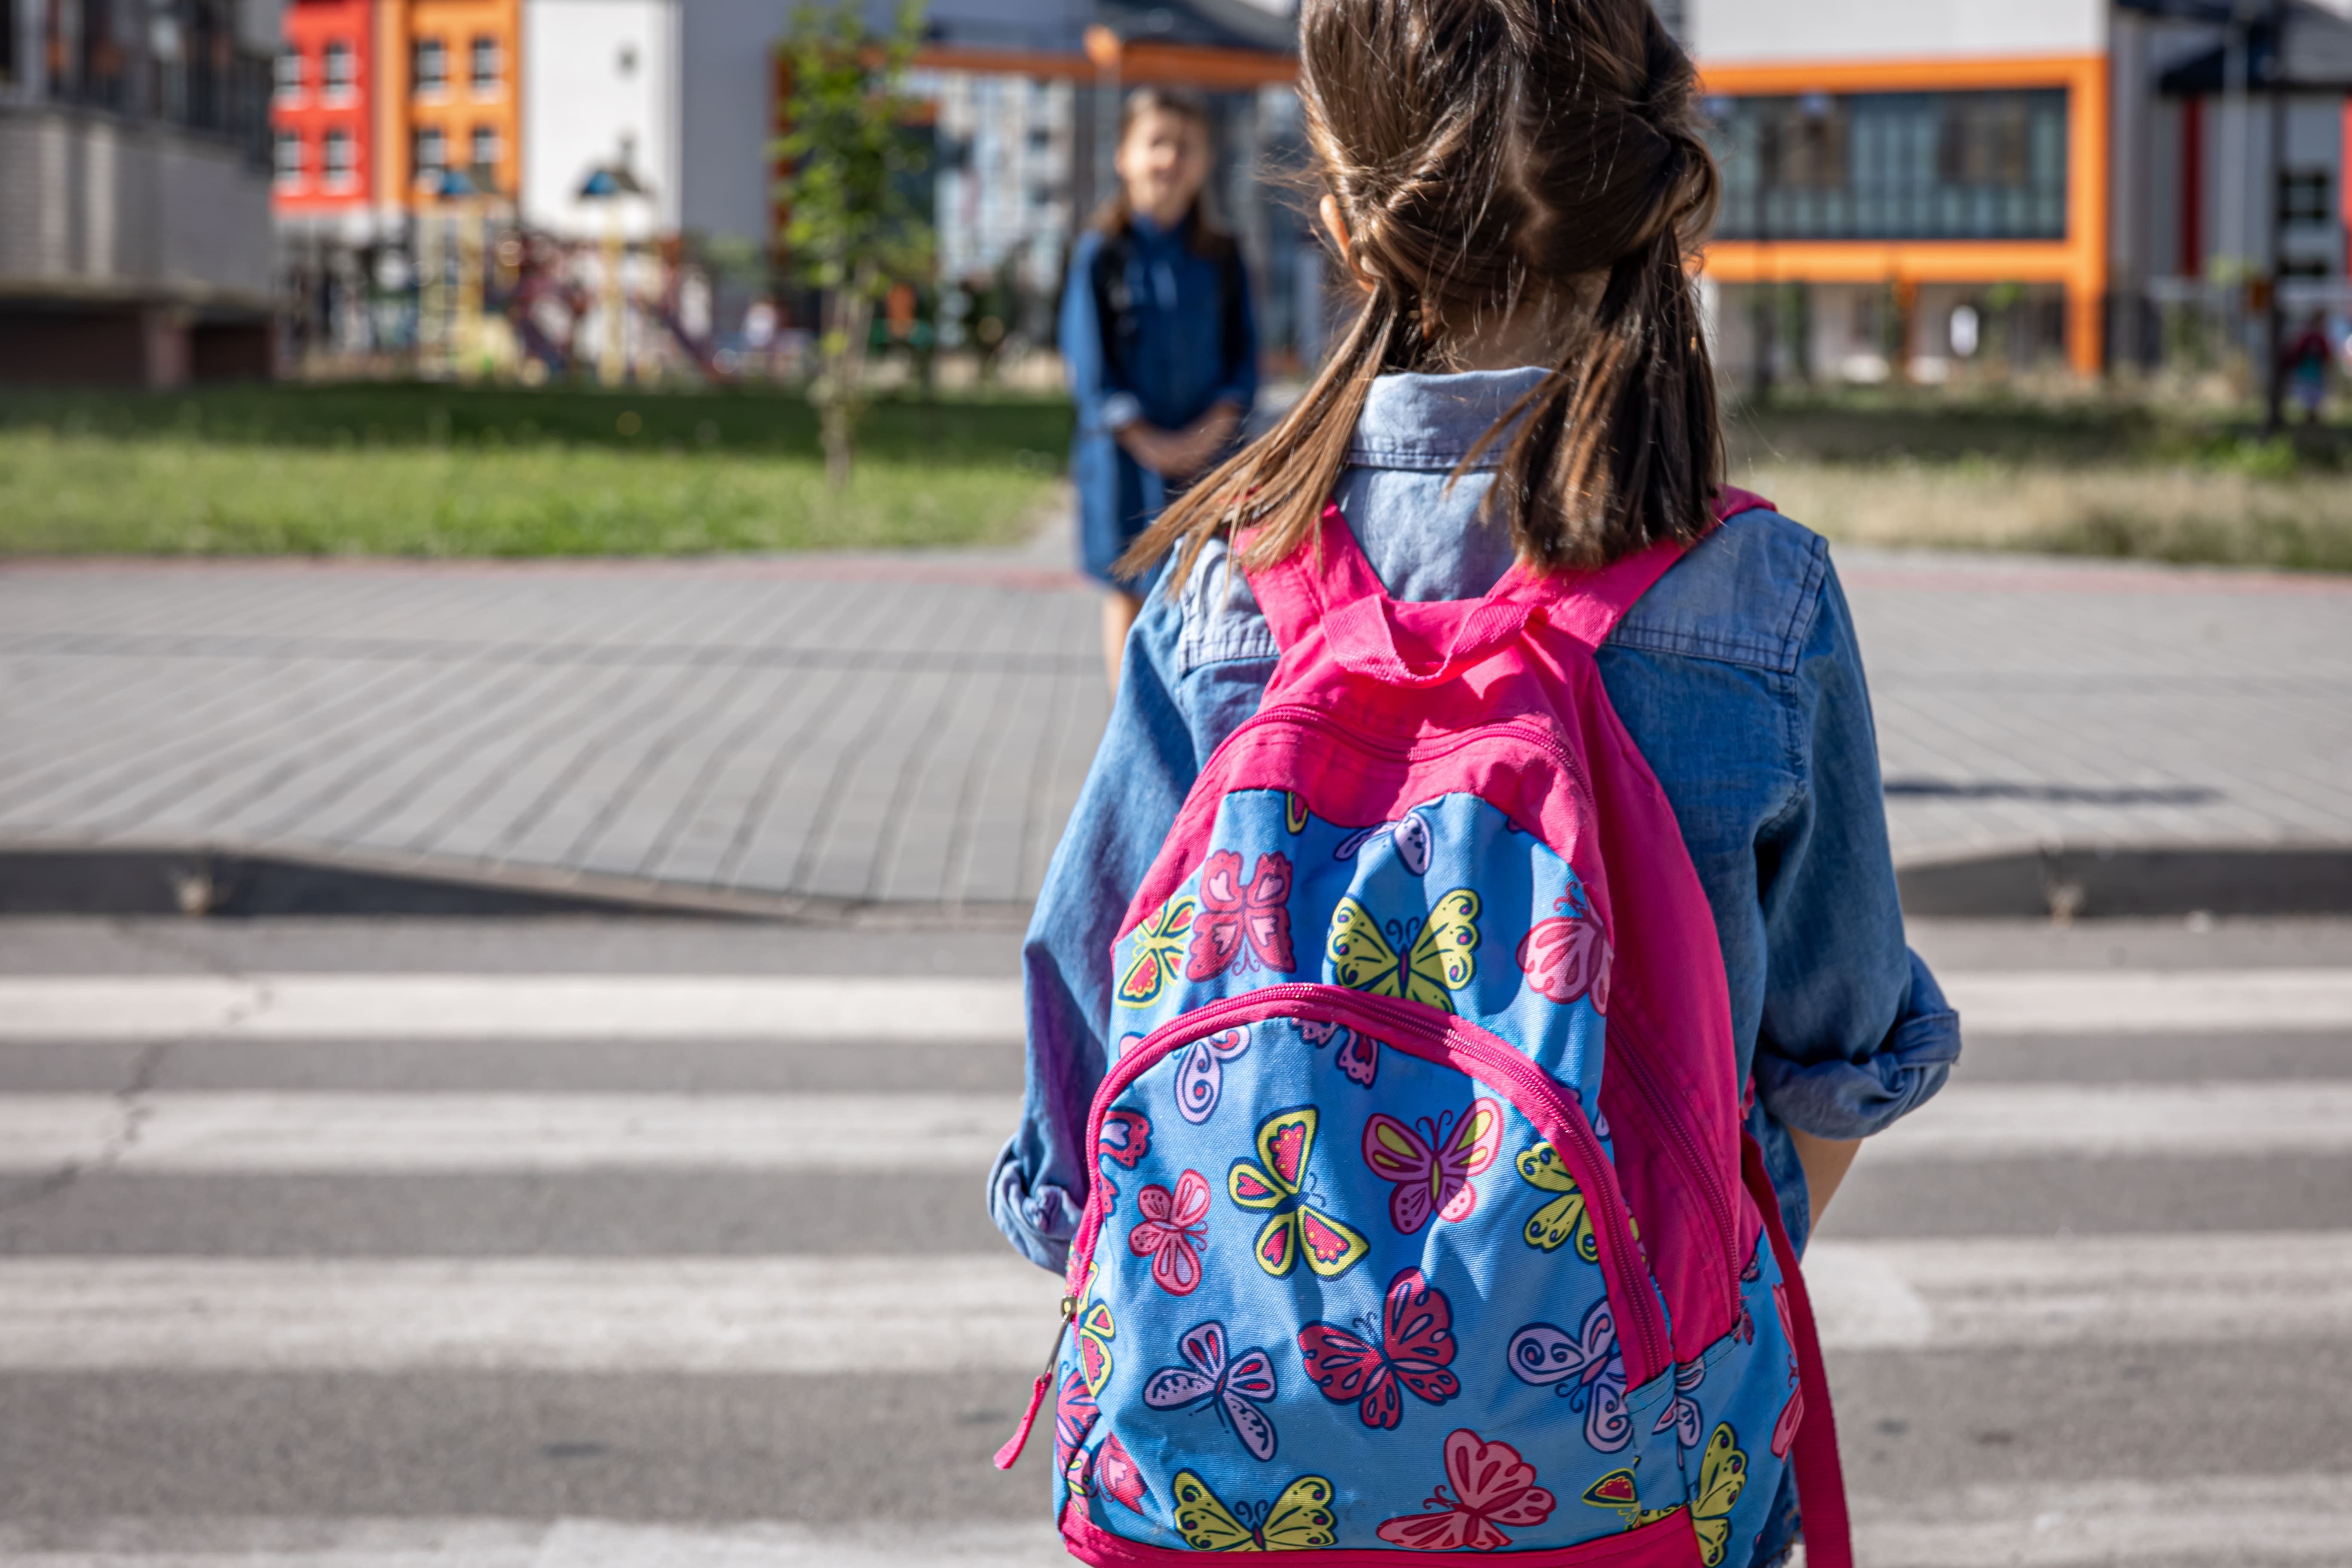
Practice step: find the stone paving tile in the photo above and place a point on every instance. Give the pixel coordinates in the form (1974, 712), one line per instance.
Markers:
(916, 728)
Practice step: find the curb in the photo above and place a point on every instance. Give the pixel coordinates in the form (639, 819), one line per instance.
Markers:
(2066, 884)
(236, 881)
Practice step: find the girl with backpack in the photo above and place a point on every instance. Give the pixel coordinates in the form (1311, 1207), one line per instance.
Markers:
(1474, 957)
(1159, 340)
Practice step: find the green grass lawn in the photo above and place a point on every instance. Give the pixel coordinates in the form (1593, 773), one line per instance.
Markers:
(432, 471)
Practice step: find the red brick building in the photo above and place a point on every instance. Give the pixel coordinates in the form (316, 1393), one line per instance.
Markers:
(322, 114)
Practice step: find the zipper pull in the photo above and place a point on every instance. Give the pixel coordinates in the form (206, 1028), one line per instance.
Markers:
(1010, 1454)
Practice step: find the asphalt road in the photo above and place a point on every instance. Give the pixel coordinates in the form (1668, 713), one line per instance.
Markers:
(530, 1340)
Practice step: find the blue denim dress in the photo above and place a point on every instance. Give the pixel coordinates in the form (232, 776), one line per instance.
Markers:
(1737, 675)
(1195, 345)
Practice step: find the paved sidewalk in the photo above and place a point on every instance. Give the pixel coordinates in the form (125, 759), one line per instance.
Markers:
(914, 728)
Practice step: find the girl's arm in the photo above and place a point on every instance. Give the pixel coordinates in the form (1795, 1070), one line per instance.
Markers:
(1854, 1031)
(1103, 402)
(1176, 702)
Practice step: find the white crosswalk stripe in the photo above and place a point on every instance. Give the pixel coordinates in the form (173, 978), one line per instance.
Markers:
(907, 1314)
(413, 1133)
(408, 1132)
(658, 1006)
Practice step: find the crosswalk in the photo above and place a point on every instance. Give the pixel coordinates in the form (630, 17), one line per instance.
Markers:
(245, 1381)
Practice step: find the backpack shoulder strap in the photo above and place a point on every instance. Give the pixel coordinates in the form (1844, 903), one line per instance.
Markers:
(1328, 572)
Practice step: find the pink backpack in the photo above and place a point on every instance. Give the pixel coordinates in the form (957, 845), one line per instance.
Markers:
(1423, 1221)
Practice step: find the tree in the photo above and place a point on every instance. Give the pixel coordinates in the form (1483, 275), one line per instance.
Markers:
(851, 229)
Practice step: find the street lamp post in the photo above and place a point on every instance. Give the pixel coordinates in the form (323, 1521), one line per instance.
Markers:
(610, 185)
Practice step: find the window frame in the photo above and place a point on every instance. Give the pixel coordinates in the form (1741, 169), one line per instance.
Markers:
(436, 47)
(283, 175)
(493, 84)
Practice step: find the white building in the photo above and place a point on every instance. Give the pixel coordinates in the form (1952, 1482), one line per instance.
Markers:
(602, 89)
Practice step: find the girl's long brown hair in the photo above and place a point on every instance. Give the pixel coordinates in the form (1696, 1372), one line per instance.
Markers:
(1487, 155)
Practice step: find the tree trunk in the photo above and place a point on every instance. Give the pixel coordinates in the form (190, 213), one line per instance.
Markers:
(840, 397)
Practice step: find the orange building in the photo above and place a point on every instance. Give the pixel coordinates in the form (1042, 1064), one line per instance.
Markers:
(452, 99)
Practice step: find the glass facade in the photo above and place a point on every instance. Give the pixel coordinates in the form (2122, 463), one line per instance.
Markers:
(1893, 165)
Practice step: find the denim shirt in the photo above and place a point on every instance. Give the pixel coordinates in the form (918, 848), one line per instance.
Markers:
(1195, 347)
(1738, 676)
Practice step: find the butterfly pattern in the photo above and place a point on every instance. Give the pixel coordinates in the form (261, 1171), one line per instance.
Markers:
(1585, 1368)
(1431, 1166)
(1111, 1464)
(1618, 1492)
(1359, 1055)
(1235, 1388)
(1096, 1331)
(1493, 1486)
(1792, 1412)
(1125, 1140)
(1414, 1349)
(1158, 957)
(1682, 1412)
(1200, 1073)
(1409, 835)
(1278, 1181)
(1294, 812)
(1426, 964)
(1299, 1519)
(1241, 926)
(1565, 1216)
(1171, 1230)
(1722, 1476)
(1075, 1414)
(1567, 957)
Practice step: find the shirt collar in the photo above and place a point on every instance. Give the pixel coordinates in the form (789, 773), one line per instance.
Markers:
(1431, 422)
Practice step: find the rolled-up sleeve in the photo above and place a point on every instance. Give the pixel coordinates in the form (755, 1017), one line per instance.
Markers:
(1854, 1031)
(1130, 801)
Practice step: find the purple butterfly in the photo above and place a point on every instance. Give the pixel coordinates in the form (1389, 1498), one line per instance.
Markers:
(1585, 1368)
(1201, 1076)
(1409, 832)
(1359, 1055)
(1682, 1412)
(1234, 1389)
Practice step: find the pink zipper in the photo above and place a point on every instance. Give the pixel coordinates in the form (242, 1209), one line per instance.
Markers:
(1456, 1043)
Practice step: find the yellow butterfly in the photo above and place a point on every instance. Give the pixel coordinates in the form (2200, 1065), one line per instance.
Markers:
(1617, 1491)
(1442, 958)
(1276, 1180)
(1298, 1521)
(1563, 1217)
(1294, 812)
(1722, 1474)
(1160, 944)
(1096, 1331)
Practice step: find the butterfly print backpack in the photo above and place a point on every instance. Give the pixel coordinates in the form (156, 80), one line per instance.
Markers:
(1422, 1224)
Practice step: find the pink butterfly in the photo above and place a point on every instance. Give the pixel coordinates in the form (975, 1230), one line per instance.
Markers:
(1492, 1486)
(1075, 1414)
(1240, 927)
(1792, 1414)
(1234, 1389)
(1416, 1347)
(1116, 1468)
(1432, 1167)
(1126, 1139)
(1359, 1055)
(1568, 956)
(1171, 1230)
(1200, 1075)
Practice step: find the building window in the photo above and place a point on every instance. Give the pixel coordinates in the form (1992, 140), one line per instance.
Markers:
(432, 66)
(1893, 165)
(483, 150)
(290, 157)
(338, 165)
(341, 75)
(289, 74)
(483, 63)
(2303, 196)
(430, 151)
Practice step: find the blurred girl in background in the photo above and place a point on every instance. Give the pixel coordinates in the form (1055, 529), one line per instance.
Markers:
(1157, 332)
